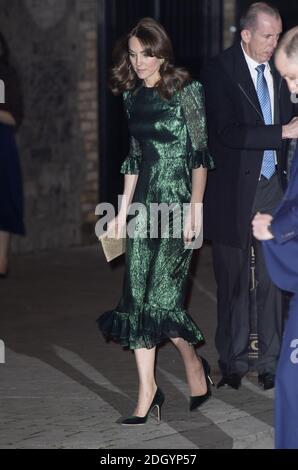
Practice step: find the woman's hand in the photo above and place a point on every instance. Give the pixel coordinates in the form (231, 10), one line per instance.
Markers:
(7, 118)
(116, 227)
(260, 225)
(193, 222)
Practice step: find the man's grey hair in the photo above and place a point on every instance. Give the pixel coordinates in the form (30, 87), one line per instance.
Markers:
(249, 19)
(289, 44)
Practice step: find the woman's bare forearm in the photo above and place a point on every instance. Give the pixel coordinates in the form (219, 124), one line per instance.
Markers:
(199, 178)
(130, 182)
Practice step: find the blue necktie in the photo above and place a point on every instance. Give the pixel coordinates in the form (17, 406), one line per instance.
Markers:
(268, 164)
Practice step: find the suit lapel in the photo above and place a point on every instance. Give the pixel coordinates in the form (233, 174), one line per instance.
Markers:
(241, 75)
(246, 85)
(276, 84)
(244, 80)
(276, 118)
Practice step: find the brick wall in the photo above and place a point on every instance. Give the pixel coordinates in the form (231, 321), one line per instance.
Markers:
(53, 44)
(88, 104)
(229, 22)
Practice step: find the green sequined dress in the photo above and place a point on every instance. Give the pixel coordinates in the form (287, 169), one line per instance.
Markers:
(168, 140)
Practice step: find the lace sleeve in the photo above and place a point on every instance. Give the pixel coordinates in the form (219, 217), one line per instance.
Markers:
(131, 164)
(193, 105)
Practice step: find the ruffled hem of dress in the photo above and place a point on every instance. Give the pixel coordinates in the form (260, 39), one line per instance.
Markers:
(202, 158)
(154, 326)
(130, 166)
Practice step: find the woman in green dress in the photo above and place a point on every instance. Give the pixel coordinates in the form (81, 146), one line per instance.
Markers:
(167, 164)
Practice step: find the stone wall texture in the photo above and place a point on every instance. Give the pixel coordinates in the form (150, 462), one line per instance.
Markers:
(54, 48)
(229, 22)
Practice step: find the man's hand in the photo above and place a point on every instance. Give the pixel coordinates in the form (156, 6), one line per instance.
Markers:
(260, 225)
(7, 118)
(290, 130)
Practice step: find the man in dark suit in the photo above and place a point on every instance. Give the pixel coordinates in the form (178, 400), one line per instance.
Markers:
(249, 114)
(280, 235)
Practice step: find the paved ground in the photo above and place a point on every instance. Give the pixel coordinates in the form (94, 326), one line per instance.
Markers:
(62, 386)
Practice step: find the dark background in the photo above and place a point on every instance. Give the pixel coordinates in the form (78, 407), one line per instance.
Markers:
(196, 30)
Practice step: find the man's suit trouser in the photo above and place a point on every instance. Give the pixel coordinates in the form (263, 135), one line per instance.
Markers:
(232, 273)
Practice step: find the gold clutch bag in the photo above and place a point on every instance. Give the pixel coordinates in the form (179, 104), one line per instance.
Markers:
(112, 247)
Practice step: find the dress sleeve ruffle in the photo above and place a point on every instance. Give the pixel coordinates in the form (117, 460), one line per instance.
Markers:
(193, 105)
(201, 158)
(131, 164)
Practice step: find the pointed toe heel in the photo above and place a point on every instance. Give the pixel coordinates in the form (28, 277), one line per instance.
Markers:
(4, 275)
(197, 401)
(157, 403)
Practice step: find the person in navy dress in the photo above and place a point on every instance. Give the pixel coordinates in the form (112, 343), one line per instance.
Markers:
(11, 191)
(280, 246)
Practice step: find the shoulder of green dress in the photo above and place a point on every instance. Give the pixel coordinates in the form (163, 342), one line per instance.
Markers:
(193, 91)
(195, 84)
(193, 87)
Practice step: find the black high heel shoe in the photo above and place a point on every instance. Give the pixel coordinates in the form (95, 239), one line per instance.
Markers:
(195, 402)
(157, 402)
(4, 275)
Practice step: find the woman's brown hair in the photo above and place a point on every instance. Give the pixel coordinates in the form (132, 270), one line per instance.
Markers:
(156, 43)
